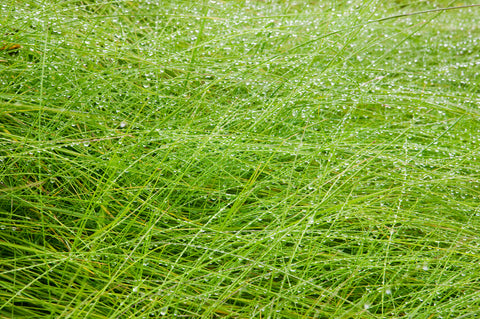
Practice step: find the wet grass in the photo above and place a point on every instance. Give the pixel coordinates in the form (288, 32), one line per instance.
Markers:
(239, 160)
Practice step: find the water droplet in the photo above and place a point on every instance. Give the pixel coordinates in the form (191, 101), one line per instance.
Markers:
(164, 311)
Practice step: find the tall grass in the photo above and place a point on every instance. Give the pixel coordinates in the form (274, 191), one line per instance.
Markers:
(230, 159)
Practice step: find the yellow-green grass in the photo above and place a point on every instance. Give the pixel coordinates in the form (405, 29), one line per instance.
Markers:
(239, 159)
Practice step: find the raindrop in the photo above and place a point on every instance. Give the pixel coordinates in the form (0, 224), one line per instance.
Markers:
(164, 311)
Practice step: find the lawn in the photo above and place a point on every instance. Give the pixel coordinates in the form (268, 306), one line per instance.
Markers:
(239, 159)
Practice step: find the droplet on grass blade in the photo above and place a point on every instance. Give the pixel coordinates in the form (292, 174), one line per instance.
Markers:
(164, 311)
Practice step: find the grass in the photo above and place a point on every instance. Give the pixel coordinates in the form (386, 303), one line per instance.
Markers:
(230, 159)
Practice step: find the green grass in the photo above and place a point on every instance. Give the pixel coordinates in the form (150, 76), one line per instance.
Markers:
(239, 159)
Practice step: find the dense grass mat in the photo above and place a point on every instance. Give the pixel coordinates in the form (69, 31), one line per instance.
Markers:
(239, 159)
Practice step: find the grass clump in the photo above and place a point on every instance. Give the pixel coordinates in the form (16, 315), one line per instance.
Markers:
(239, 160)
